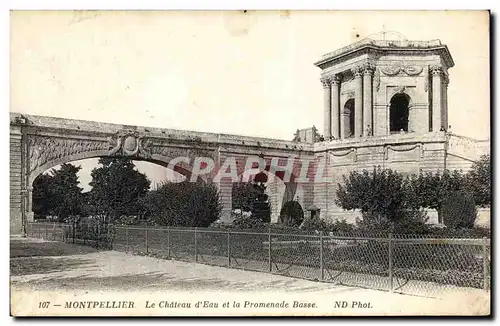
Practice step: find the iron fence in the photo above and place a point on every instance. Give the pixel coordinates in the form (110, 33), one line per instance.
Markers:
(397, 263)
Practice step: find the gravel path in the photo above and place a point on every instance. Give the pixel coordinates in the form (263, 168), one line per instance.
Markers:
(50, 267)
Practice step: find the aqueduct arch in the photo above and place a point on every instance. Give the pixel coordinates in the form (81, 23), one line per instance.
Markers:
(279, 188)
(39, 143)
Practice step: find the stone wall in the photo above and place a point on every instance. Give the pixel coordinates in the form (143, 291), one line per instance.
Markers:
(406, 153)
(15, 180)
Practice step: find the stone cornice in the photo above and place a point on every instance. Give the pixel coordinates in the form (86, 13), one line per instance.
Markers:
(84, 128)
(378, 47)
(374, 141)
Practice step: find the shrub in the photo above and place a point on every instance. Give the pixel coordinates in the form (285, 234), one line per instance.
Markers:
(459, 210)
(183, 204)
(381, 194)
(243, 195)
(411, 226)
(251, 196)
(292, 214)
(249, 222)
(410, 222)
(430, 190)
(341, 226)
(314, 224)
(127, 220)
(479, 181)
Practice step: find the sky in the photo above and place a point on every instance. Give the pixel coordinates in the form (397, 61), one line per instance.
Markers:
(218, 71)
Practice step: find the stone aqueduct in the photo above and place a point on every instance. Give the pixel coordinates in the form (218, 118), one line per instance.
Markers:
(385, 104)
(39, 143)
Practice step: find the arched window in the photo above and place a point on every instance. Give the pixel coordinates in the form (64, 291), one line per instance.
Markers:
(349, 118)
(399, 112)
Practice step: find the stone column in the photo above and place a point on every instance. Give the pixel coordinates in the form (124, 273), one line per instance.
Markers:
(336, 122)
(342, 123)
(444, 110)
(436, 98)
(30, 215)
(327, 109)
(358, 101)
(367, 100)
(226, 192)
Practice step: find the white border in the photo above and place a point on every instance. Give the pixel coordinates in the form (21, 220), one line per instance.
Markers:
(7, 5)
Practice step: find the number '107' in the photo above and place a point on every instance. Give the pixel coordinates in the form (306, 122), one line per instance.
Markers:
(43, 304)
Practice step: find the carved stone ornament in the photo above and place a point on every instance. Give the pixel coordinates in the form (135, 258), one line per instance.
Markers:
(335, 80)
(352, 150)
(368, 68)
(166, 149)
(412, 70)
(325, 81)
(403, 148)
(399, 89)
(391, 70)
(43, 149)
(436, 70)
(403, 68)
(129, 143)
(341, 153)
(357, 71)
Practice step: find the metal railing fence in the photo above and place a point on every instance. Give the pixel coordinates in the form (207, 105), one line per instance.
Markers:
(396, 263)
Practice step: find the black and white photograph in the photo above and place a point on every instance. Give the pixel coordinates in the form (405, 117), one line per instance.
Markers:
(249, 163)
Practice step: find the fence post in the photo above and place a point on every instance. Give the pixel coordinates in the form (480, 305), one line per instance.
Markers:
(321, 258)
(228, 247)
(391, 287)
(485, 263)
(126, 238)
(270, 250)
(46, 231)
(146, 237)
(168, 242)
(54, 231)
(73, 229)
(195, 245)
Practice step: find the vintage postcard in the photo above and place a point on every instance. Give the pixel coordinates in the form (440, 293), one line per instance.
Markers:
(250, 163)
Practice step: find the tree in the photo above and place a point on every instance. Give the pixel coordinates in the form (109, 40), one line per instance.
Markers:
(382, 195)
(479, 181)
(66, 195)
(193, 204)
(292, 213)
(260, 207)
(243, 195)
(251, 197)
(459, 210)
(117, 187)
(42, 200)
(432, 189)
